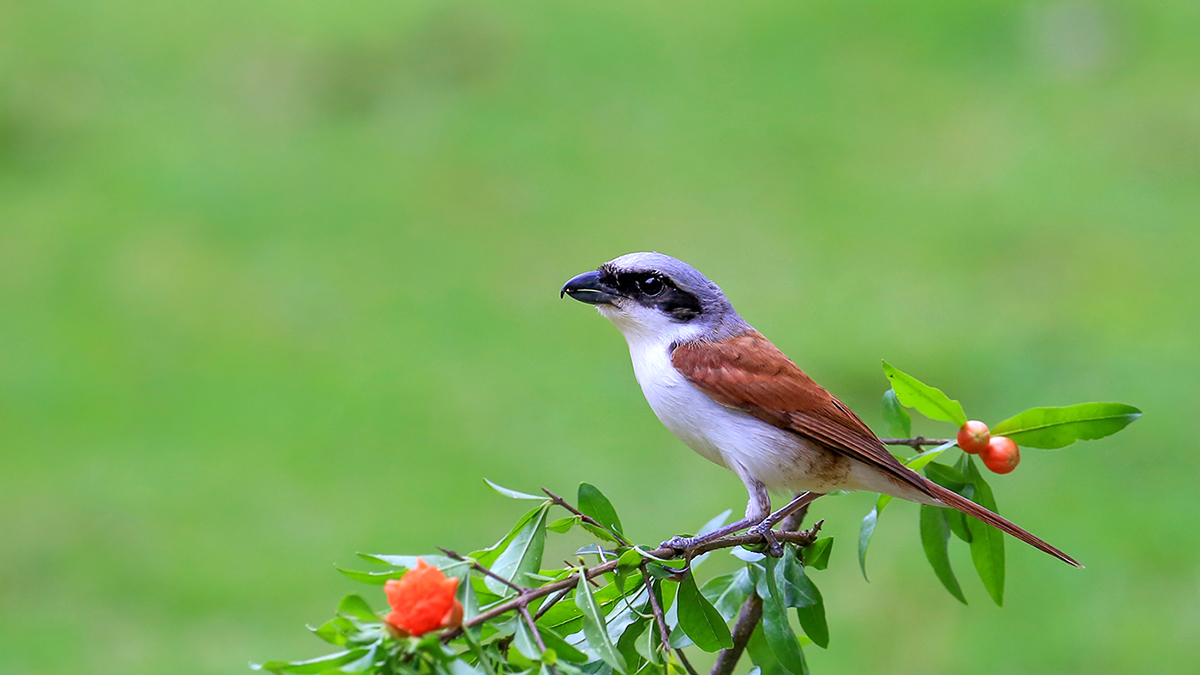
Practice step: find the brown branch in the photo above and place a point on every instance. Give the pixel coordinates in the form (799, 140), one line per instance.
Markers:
(914, 443)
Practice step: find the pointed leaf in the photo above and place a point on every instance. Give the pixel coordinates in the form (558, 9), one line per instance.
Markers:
(805, 597)
(778, 632)
(946, 476)
(523, 640)
(522, 555)
(513, 494)
(816, 554)
(592, 502)
(329, 632)
(320, 664)
(923, 398)
(1052, 428)
(354, 607)
(727, 593)
(699, 619)
(594, 628)
(762, 656)
(565, 650)
(867, 529)
(896, 419)
(935, 537)
(987, 543)
(563, 525)
(373, 578)
(488, 556)
(649, 644)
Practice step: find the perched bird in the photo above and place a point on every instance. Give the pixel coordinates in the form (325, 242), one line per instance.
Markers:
(733, 397)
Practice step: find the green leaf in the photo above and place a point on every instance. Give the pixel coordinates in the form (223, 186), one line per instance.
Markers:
(728, 592)
(592, 502)
(987, 543)
(816, 555)
(320, 664)
(561, 647)
(354, 607)
(806, 598)
(1053, 428)
(523, 640)
(594, 627)
(919, 460)
(628, 639)
(778, 632)
(563, 525)
(373, 578)
(329, 632)
(923, 398)
(627, 564)
(649, 643)
(699, 619)
(409, 562)
(935, 538)
(957, 521)
(513, 494)
(895, 418)
(867, 529)
(522, 555)
(762, 656)
(363, 664)
(946, 476)
(488, 556)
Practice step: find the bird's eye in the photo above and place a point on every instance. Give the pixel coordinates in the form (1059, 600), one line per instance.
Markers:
(650, 285)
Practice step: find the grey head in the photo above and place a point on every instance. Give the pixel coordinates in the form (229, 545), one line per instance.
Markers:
(649, 288)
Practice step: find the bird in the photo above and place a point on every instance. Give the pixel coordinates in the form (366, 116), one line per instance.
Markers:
(733, 397)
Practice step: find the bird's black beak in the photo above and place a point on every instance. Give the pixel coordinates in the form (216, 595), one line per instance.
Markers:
(588, 288)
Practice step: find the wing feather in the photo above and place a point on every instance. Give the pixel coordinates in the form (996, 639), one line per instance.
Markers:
(751, 374)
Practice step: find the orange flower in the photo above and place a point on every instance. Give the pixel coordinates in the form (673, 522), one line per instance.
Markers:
(423, 600)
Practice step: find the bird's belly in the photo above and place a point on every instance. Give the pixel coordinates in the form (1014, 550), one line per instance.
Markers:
(738, 441)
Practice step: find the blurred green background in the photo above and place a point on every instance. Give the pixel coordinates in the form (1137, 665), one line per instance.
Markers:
(279, 282)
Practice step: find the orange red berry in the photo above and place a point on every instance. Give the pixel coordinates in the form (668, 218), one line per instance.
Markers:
(422, 601)
(1001, 455)
(973, 437)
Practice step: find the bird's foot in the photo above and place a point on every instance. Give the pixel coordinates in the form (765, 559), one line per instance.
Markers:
(679, 543)
(763, 529)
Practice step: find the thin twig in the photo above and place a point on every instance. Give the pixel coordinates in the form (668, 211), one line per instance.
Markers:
(537, 635)
(664, 633)
(686, 664)
(485, 571)
(586, 518)
(550, 603)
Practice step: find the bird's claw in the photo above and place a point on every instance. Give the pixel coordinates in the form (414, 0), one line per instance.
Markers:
(774, 548)
(679, 543)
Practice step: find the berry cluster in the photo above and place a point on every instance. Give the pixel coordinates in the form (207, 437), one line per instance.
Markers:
(998, 453)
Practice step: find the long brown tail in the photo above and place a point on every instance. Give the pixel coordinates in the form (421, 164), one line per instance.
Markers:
(957, 501)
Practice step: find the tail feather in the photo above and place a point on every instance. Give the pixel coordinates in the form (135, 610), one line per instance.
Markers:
(957, 501)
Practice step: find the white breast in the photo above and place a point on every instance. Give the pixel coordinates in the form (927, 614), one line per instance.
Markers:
(731, 438)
